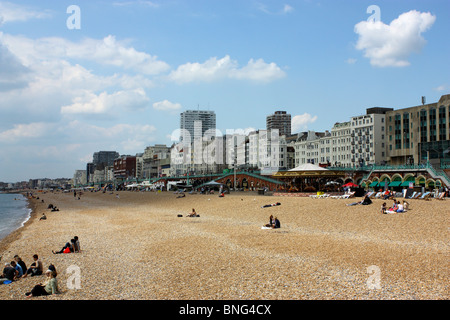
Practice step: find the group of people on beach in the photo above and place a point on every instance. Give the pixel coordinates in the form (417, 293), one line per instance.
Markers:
(274, 223)
(17, 269)
(397, 206)
(72, 246)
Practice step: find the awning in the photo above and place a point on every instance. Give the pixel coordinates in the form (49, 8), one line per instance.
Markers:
(406, 183)
(373, 184)
(394, 184)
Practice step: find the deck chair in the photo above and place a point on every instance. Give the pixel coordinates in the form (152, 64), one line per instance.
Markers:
(426, 194)
(378, 195)
(441, 196)
(348, 195)
(370, 194)
(412, 195)
(418, 194)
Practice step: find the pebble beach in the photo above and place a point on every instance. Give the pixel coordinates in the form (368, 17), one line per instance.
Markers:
(136, 247)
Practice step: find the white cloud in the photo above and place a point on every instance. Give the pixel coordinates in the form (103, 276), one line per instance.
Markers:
(166, 105)
(300, 122)
(106, 51)
(443, 87)
(287, 8)
(27, 131)
(264, 8)
(11, 12)
(91, 103)
(391, 45)
(225, 68)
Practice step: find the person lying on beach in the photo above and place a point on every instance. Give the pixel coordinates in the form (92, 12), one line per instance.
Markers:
(49, 287)
(193, 214)
(54, 209)
(181, 195)
(68, 247)
(44, 217)
(21, 263)
(271, 205)
(36, 267)
(365, 201)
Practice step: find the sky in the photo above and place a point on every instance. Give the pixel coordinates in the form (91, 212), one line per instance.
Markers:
(78, 77)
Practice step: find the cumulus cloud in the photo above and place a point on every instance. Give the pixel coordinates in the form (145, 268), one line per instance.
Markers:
(27, 131)
(106, 51)
(104, 102)
(225, 68)
(166, 105)
(301, 122)
(391, 45)
(13, 74)
(11, 12)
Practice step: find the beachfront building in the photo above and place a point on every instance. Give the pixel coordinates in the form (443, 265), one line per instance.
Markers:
(79, 178)
(312, 147)
(196, 123)
(420, 133)
(338, 148)
(125, 168)
(267, 151)
(154, 159)
(280, 120)
(368, 137)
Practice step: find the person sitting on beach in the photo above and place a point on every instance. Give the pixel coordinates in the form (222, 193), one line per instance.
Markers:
(276, 223)
(44, 217)
(399, 207)
(221, 195)
(54, 209)
(394, 206)
(18, 268)
(9, 273)
(383, 207)
(405, 205)
(76, 245)
(68, 247)
(48, 288)
(271, 221)
(193, 213)
(21, 263)
(386, 195)
(36, 267)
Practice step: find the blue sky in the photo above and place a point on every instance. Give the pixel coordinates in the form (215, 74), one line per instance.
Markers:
(120, 81)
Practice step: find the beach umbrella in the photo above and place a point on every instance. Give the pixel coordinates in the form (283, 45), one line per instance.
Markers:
(350, 184)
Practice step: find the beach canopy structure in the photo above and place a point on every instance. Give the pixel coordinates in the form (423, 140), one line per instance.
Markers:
(309, 167)
(308, 175)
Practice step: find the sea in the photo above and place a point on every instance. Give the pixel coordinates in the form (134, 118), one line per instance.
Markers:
(14, 212)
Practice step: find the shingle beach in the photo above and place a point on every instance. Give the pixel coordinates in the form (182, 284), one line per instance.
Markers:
(134, 246)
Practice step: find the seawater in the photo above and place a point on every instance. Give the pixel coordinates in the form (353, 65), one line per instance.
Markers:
(14, 212)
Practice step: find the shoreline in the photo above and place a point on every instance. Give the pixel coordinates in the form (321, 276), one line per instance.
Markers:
(16, 234)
